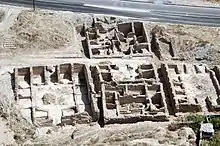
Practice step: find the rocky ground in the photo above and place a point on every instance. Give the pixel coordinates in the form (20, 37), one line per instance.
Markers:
(41, 37)
(142, 133)
(192, 43)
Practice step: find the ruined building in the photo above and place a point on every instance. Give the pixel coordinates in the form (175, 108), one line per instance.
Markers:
(126, 40)
(117, 91)
(189, 86)
(59, 92)
(129, 93)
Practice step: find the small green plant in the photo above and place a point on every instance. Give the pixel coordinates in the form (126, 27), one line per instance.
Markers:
(216, 123)
(195, 120)
(214, 142)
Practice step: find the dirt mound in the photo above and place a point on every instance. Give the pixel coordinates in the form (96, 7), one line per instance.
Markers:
(188, 42)
(142, 133)
(42, 30)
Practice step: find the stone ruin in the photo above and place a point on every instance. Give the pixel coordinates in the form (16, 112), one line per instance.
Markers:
(114, 93)
(117, 91)
(213, 103)
(68, 93)
(125, 40)
(54, 94)
(163, 45)
(129, 93)
(191, 88)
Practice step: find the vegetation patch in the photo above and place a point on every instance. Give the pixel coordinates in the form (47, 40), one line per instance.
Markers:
(194, 122)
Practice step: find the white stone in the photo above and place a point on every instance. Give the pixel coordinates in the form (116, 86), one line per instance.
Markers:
(23, 84)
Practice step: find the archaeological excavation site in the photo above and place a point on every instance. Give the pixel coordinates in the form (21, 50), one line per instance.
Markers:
(105, 81)
(117, 91)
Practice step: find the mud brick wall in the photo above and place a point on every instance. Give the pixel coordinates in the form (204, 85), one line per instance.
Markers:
(39, 89)
(143, 94)
(124, 39)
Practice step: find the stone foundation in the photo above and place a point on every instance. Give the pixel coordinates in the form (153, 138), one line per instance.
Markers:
(138, 87)
(129, 93)
(42, 90)
(124, 40)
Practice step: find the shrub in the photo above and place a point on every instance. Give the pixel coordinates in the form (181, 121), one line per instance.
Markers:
(194, 121)
(214, 142)
(216, 123)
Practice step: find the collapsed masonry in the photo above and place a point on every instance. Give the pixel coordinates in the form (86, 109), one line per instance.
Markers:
(163, 45)
(116, 92)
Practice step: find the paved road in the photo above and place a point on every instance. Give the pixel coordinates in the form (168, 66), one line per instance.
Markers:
(129, 8)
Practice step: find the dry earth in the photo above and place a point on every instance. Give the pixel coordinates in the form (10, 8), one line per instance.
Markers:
(192, 43)
(29, 38)
(142, 133)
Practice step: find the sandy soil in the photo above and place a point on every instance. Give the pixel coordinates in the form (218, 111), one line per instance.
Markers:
(6, 135)
(38, 38)
(26, 32)
(192, 43)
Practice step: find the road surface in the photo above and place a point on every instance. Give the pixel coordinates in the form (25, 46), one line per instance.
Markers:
(146, 11)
